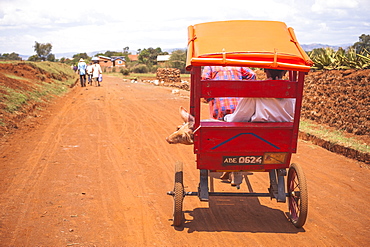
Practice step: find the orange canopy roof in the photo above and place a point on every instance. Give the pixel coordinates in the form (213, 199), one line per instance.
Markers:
(263, 44)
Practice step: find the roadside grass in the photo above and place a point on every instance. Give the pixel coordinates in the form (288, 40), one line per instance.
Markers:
(40, 91)
(57, 69)
(334, 136)
(12, 99)
(16, 77)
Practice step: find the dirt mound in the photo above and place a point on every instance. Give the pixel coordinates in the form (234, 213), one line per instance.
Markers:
(338, 99)
(25, 87)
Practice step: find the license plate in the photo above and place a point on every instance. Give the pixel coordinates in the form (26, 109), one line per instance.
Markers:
(241, 160)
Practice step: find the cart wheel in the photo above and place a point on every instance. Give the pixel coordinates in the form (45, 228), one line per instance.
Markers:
(297, 194)
(178, 197)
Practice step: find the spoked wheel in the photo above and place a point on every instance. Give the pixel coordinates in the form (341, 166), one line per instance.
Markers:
(298, 196)
(178, 216)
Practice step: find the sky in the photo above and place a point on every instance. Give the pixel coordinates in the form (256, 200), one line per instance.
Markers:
(87, 26)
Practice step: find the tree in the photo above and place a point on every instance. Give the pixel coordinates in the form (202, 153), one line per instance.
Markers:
(78, 56)
(363, 43)
(33, 58)
(149, 56)
(42, 50)
(178, 60)
(11, 56)
(126, 53)
(81, 55)
(51, 58)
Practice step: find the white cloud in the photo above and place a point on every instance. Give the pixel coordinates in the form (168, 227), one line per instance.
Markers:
(338, 6)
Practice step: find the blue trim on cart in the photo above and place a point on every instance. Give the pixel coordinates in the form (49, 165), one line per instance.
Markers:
(232, 138)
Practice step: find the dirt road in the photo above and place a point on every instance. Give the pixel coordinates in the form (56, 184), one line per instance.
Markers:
(94, 168)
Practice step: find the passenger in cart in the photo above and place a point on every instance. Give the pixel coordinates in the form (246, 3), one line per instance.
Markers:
(219, 107)
(264, 109)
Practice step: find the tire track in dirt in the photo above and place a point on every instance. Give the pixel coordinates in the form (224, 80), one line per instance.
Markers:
(31, 178)
(147, 146)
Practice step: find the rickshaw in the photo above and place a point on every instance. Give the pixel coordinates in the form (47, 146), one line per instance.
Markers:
(246, 146)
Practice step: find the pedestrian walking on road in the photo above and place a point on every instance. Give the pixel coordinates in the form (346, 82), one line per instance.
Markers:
(82, 71)
(96, 73)
(89, 71)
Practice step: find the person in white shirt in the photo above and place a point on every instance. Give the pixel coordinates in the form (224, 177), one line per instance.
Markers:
(89, 71)
(96, 73)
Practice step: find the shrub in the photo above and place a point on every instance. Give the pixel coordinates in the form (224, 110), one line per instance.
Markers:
(140, 68)
(124, 71)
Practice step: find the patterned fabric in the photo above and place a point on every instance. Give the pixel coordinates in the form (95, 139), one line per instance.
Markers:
(219, 107)
(227, 73)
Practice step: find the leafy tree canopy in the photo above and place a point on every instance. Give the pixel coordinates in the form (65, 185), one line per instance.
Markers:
(33, 58)
(78, 56)
(363, 43)
(178, 60)
(81, 55)
(50, 58)
(125, 50)
(149, 55)
(11, 56)
(42, 50)
(111, 54)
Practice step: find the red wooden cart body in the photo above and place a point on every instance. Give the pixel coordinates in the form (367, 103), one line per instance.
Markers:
(247, 146)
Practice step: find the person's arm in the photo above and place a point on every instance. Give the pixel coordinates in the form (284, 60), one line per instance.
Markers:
(248, 74)
(206, 73)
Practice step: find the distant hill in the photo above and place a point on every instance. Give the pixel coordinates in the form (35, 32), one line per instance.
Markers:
(24, 57)
(310, 47)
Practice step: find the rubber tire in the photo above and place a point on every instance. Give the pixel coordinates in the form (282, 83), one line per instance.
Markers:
(178, 215)
(297, 202)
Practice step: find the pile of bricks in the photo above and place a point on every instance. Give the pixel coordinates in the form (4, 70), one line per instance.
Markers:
(168, 75)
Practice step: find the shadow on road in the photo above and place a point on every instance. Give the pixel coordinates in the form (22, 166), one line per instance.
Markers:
(237, 214)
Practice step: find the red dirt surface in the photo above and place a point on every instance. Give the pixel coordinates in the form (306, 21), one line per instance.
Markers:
(93, 169)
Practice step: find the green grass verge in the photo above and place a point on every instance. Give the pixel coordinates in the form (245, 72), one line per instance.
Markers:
(16, 77)
(14, 99)
(334, 136)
